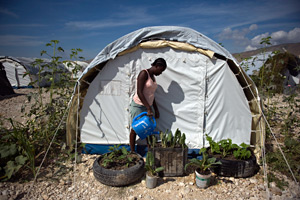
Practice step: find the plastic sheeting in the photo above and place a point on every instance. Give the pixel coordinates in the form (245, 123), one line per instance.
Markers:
(15, 73)
(254, 63)
(16, 68)
(172, 33)
(203, 91)
(196, 94)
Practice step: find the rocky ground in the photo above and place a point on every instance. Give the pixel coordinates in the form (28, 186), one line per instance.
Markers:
(81, 184)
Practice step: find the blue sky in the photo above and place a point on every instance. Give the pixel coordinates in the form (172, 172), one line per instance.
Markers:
(27, 25)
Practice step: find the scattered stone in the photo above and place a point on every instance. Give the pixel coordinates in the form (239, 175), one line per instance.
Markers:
(272, 184)
(231, 179)
(254, 181)
(276, 191)
(87, 187)
(3, 197)
(181, 184)
(132, 198)
(45, 197)
(186, 190)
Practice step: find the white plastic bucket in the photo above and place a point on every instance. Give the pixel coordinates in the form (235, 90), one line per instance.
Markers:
(202, 181)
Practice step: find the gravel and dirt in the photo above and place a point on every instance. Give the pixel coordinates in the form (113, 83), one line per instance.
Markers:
(81, 184)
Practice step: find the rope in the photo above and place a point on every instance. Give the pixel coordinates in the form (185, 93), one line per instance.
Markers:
(263, 141)
(76, 137)
(280, 149)
(37, 173)
(238, 73)
(265, 167)
(263, 148)
(84, 82)
(248, 86)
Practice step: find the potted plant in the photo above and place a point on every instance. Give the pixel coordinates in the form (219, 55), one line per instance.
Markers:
(171, 152)
(152, 171)
(237, 160)
(202, 168)
(119, 167)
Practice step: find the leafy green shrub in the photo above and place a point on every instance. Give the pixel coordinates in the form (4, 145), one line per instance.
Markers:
(17, 149)
(45, 123)
(291, 150)
(280, 183)
(283, 119)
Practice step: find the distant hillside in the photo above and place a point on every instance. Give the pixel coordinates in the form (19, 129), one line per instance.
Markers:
(293, 48)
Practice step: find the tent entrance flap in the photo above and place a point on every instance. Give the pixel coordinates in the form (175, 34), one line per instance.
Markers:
(103, 117)
(227, 110)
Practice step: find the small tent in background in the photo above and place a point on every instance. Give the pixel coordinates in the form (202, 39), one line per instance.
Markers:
(203, 91)
(253, 64)
(282, 70)
(16, 68)
(15, 71)
(75, 67)
(6, 88)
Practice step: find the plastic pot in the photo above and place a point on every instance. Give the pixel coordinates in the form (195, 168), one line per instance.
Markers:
(151, 181)
(202, 180)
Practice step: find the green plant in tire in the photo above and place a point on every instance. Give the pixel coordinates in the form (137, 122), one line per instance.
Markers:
(242, 152)
(227, 147)
(116, 154)
(150, 165)
(214, 146)
(203, 165)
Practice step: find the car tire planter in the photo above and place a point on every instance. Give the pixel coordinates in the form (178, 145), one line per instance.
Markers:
(118, 177)
(236, 168)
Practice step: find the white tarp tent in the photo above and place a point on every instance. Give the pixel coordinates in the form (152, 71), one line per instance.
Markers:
(254, 63)
(285, 64)
(75, 67)
(15, 72)
(17, 67)
(203, 90)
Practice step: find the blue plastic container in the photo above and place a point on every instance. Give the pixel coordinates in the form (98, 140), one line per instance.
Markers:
(144, 125)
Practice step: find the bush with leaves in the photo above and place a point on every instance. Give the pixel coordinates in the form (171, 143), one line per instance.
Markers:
(27, 143)
(291, 150)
